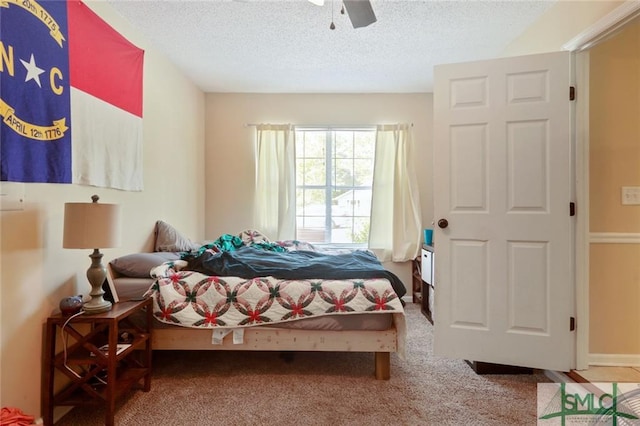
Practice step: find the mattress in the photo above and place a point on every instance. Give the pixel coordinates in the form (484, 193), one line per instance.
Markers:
(135, 288)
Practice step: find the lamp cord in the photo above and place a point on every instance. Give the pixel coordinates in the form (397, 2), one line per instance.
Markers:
(64, 337)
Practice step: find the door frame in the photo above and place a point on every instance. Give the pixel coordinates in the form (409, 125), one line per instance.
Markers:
(580, 44)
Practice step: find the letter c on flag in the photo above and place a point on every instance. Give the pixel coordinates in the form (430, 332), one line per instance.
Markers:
(55, 72)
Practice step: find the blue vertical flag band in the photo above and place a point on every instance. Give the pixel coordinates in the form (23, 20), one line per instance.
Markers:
(35, 133)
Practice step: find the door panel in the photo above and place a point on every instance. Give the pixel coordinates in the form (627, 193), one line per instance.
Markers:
(469, 285)
(528, 287)
(502, 175)
(469, 167)
(527, 147)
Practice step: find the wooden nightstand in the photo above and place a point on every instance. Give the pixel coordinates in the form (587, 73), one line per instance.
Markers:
(100, 378)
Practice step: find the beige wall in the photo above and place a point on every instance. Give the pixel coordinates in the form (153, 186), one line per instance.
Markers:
(561, 23)
(614, 308)
(35, 272)
(230, 150)
(614, 144)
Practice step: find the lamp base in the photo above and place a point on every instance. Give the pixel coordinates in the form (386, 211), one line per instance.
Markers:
(91, 308)
(96, 274)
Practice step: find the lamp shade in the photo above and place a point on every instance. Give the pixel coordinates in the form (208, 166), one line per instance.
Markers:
(91, 225)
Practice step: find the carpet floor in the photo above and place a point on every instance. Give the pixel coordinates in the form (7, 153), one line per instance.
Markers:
(316, 388)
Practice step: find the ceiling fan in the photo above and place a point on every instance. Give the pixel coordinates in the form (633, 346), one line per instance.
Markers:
(360, 12)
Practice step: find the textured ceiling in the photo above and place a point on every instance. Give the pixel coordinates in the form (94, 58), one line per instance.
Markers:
(287, 47)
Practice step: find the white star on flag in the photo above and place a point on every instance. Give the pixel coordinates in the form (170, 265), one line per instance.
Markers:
(33, 72)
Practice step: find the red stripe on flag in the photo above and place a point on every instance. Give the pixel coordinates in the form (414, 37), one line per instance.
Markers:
(103, 63)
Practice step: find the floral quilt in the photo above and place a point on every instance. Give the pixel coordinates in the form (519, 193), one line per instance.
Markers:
(192, 299)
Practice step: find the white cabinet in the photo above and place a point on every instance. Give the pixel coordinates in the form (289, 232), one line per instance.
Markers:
(427, 264)
(427, 274)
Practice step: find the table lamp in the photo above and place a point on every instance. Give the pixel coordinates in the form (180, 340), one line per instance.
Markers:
(93, 225)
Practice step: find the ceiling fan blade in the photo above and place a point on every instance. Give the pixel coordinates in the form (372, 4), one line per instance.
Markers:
(360, 12)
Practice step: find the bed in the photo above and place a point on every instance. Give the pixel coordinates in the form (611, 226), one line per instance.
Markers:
(246, 293)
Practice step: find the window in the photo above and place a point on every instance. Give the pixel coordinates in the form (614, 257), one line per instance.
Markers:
(334, 175)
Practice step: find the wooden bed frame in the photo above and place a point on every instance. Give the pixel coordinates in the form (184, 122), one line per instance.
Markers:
(263, 338)
(382, 343)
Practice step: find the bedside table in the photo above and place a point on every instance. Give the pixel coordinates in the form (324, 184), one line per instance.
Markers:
(99, 375)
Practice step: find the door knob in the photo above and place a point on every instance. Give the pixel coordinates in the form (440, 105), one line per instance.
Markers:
(443, 223)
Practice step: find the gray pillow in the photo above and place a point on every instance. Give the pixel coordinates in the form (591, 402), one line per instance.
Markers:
(170, 239)
(138, 265)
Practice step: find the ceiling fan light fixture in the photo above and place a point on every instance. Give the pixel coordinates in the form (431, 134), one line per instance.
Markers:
(360, 12)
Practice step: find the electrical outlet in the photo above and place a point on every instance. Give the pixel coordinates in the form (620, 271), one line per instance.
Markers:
(631, 195)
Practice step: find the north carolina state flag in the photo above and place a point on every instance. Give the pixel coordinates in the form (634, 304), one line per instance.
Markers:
(70, 97)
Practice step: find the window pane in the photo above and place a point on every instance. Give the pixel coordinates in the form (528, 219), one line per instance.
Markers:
(363, 175)
(315, 172)
(341, 222)
(362, 202)
(365, 144)
(306, 232)
(300, 170)
(313, 222)
(341, 227)
(310, 202)
(342, 203)
(315, 144)
(299, 202)
(343, 145)
(361, 230)
(311, 226)
(300, 136)
(343, 172)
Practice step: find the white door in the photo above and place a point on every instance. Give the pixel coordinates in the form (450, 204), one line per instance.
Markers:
(503, 182)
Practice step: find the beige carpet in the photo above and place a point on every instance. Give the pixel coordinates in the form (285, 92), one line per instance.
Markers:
(264, 388)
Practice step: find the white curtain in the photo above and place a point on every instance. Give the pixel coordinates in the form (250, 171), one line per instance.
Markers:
(275, 214)
(395, 232)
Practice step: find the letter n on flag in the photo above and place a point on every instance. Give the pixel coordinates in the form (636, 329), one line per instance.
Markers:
(70, 97)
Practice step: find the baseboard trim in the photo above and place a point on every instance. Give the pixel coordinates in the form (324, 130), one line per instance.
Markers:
(615, 360)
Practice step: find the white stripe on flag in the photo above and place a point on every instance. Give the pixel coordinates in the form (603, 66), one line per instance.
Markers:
(106, 144)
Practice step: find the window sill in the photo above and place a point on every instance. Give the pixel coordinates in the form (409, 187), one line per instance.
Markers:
(338, 248)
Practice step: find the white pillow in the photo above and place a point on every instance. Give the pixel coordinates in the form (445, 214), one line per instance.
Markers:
(170, 239)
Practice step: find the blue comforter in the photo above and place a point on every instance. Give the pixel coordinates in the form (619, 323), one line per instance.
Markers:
(250, 262)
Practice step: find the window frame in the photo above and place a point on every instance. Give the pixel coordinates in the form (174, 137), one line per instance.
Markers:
(328, 187)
